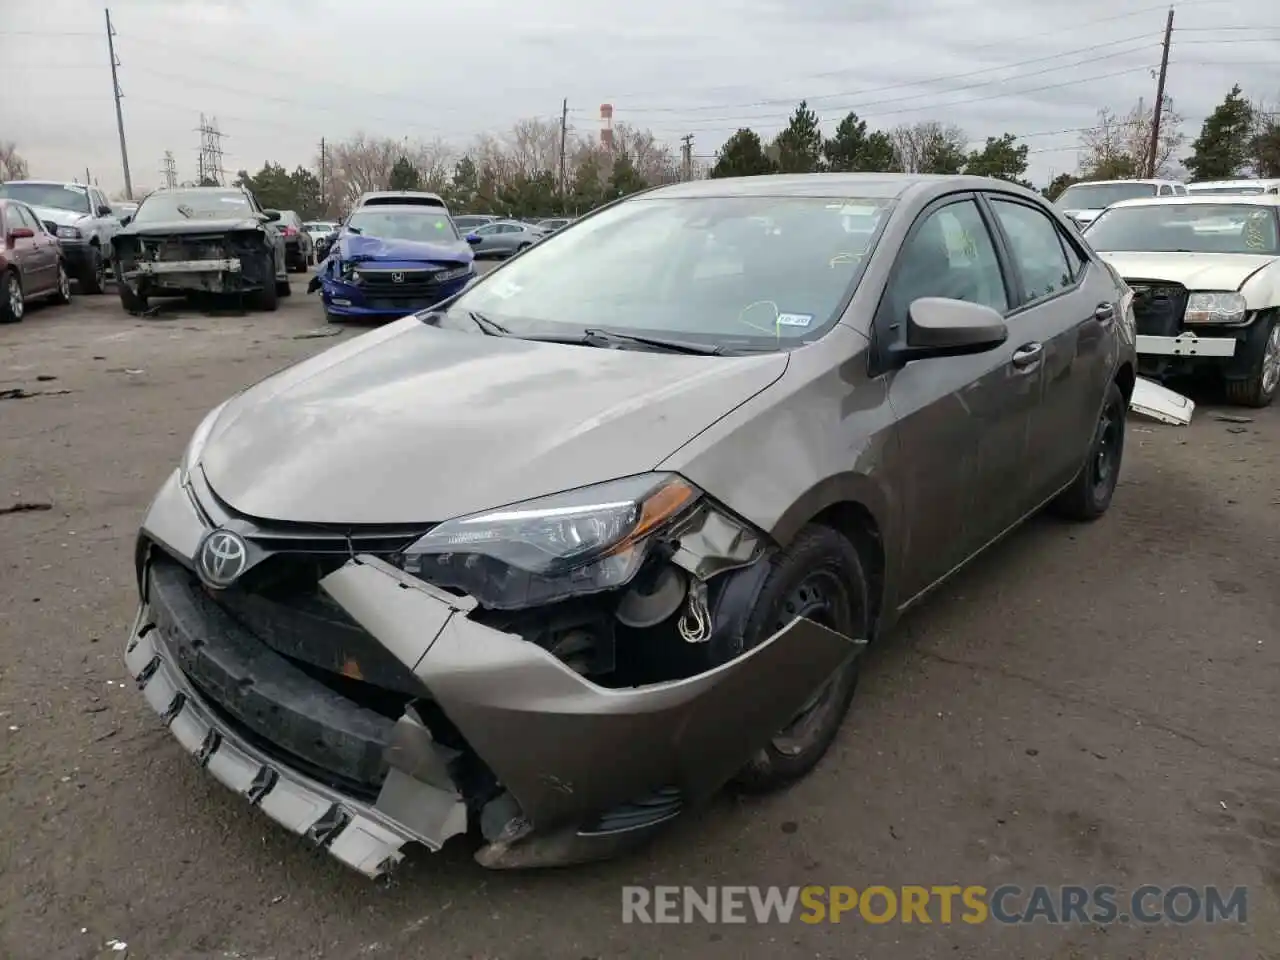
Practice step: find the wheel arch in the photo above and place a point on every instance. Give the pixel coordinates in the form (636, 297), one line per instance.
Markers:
(1126, 379)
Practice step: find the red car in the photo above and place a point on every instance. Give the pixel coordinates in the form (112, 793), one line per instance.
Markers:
(31, 262)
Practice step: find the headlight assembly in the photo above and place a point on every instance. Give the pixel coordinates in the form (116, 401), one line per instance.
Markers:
(1215, 308)
(570, 544)
(195, 446)
(68, 233)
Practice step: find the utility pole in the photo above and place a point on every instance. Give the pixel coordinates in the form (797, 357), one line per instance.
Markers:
(1155, 118)
(87, 179)
(322, 167)
(564, 132)
(115, 83)
(686, 157)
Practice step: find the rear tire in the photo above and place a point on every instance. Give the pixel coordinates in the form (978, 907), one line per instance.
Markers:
(284, 288)
(820, 575)
(266, 299)
(13, 303)
(1091, 491)
(1262, 346)
(63, 293)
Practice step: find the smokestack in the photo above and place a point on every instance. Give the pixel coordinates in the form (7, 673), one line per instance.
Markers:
(606, 126)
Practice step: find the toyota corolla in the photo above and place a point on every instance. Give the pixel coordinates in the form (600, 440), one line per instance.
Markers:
(552, 562)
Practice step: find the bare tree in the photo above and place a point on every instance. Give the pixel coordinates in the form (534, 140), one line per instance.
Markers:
(1119, 147)
(653, 160)
(434, 162)
(359, 164)
(12, 166)
(534, 146)
(917, 144)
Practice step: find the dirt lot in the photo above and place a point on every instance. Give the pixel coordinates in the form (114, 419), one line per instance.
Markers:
(1091, 705)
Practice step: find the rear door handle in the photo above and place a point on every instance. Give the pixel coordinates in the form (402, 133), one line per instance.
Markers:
(1027, 355)
(1105, 313)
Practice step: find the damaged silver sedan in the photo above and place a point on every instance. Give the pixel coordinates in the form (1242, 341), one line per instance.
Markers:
(554, 561)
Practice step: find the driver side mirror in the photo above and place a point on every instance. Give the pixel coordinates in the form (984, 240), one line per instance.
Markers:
(126, 219)
(104, 211)
(473, 238)
(940, 327)
(21, 233)
(272, 215)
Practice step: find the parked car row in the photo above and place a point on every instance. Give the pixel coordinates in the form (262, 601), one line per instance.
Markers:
(33, 265)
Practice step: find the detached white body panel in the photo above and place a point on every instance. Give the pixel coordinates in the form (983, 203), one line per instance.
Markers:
(1160, 403)
(1187, 344)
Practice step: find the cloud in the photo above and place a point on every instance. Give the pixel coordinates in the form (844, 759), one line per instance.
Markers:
(280, 76)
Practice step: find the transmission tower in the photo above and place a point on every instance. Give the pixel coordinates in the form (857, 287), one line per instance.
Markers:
(209, 165)
(169, 170)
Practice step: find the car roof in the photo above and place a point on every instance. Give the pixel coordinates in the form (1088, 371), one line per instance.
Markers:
(50, 183)
(1241, 182)
(1204, 199)
(886, 186)
(1157, 182)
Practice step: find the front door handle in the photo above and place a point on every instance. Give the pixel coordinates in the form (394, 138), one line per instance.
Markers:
(1027, 355)
(1105, 313)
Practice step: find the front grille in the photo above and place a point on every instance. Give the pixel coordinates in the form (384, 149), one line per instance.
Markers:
(1158, 307)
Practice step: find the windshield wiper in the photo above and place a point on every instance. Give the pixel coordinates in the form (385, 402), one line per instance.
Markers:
(675, 346)
(492, 327)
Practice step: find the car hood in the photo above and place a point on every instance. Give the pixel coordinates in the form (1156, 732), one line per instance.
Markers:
(63, 218)
(413, 424)
(1195, 271)
(169, 228)
(354, 246)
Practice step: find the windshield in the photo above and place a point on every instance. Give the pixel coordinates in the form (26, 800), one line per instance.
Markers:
(194, 205)
(424, 226)
(1095, 196)
(70, 196)
(1188, 228)
(751, 272)
(1237, 191)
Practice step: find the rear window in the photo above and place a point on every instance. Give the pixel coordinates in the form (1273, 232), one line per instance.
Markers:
(401, 201)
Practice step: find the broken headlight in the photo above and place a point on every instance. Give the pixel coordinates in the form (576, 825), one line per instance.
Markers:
(1215, 308)
(533, 553)
(195, 446)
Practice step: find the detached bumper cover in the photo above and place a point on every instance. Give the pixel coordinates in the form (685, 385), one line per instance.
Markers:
(147, 268)
(567, 751)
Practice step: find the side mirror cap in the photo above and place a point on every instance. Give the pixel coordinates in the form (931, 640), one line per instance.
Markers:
(272, 215)
(51, 227)
(126, 219)
(940, 327)
(104, 211)
(21, 233)
(473, 238)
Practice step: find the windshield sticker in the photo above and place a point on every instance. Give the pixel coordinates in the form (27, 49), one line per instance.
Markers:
(794, 319)
(76, 188)
(1255, 237)
(439, 224)
(236, 200)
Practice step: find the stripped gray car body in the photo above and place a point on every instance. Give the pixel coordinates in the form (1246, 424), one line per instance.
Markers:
(409, 692)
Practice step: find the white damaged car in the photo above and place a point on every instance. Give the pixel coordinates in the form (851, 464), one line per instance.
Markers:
(1205, 272)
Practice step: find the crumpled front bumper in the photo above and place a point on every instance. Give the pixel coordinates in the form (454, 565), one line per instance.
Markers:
(567, 751)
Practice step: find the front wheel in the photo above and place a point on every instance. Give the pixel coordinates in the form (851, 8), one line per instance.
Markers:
(1090, 493)
(820, 576)
(94, 279)
(132, 302)
(1262, 348)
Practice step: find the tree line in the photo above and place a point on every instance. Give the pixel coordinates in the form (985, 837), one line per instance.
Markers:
(520, 173)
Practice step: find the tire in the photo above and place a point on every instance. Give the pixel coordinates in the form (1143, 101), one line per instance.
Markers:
(1091, 491)
(94, 280)
(13, 303)
(132, 302)
(819, 563)
(1262, 347)
(63, 293)
(284, 288)
(267, 299)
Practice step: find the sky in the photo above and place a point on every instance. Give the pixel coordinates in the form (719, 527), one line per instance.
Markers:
(278, 75)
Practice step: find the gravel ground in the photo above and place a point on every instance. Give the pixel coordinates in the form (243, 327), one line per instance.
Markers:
(1092, 705)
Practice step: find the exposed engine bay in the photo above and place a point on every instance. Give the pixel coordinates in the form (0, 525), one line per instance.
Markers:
(240, 261)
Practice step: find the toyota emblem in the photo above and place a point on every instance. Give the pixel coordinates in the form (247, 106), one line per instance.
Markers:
(222, 557)
(397, 277)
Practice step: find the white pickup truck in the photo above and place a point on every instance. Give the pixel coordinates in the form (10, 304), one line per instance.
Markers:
(80, 216)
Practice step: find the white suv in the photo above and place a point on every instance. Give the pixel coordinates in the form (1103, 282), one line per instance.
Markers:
(1085, 200)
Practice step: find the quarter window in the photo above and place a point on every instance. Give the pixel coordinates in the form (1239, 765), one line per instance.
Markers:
(1036, 247)
(949, 254)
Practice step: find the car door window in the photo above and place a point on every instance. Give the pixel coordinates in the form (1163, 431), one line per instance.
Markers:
(1036, 247)
(949, 254)
(1164, 190)
(28, 219)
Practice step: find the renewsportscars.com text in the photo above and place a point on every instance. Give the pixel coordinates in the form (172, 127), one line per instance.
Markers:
(938, 904)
